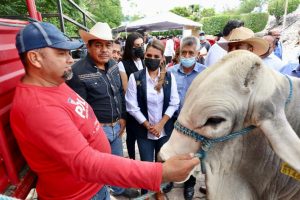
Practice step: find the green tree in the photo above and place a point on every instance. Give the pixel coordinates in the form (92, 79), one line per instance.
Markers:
(109, 11)
(182, 11)
(190, 12)
(12, 7)
(208, 12)
(276, 7)
(247, 6)
(105, 11)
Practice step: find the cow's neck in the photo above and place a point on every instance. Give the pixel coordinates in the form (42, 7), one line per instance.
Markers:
(293, 108)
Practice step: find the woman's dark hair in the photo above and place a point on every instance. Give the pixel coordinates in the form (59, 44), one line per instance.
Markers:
(232, 24)
(156, 44)
(128, 54)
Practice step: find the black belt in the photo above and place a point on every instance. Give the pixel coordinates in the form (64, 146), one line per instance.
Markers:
(113, 123)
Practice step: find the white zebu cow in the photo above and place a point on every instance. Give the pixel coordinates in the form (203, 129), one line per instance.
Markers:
(234, 93)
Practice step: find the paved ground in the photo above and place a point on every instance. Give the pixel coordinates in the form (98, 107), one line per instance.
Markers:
(177, 192)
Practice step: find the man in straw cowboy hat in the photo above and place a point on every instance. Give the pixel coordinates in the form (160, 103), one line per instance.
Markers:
(97, 80)
(59, 134)
(243, 38)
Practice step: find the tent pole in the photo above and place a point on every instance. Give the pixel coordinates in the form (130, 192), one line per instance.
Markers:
(284, 16)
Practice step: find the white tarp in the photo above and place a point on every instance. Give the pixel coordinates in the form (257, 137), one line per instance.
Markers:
(163, 21)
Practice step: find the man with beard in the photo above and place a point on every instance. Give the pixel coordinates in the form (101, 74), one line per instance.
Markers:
(97, 80)
(59, 134)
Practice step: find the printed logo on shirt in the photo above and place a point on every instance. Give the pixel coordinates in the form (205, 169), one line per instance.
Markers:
(81, 107)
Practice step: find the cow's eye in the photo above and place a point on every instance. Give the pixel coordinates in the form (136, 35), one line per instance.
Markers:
(212, 121)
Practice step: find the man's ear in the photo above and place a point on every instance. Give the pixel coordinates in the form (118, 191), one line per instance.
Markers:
(34, 58)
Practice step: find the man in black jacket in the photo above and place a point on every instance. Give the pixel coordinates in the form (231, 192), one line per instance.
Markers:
(96, 78)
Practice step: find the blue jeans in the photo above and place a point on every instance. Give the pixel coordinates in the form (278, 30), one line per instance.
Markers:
(103, 194)
(112, 134)
(149, 150)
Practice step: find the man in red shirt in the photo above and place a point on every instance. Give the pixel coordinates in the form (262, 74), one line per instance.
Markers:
(59, 135)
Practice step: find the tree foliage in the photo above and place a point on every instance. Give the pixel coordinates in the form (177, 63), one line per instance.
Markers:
(276, 7)
(182, 11)
(191, 12)
(247, 6)
(253, 21)
(109, 11)
(101, 10)
(208, 12)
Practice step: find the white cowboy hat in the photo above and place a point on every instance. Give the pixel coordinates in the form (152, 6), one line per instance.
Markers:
(243, 34)
(100, 31)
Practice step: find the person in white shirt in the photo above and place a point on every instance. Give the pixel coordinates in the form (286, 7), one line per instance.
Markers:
(169, 50)
(152, 99)
(269, 58)
(216, 52)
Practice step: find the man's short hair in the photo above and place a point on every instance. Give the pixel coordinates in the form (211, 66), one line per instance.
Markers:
(232, 24)
(190, 41)
(117, 42)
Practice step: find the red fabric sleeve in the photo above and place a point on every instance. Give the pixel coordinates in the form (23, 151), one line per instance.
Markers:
(53, 132)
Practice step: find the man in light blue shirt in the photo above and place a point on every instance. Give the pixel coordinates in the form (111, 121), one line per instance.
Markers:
(188, 68)
(292, 69)
(184, 73)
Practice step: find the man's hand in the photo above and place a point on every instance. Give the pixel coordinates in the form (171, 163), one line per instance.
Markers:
(123, 126)
(177, 168)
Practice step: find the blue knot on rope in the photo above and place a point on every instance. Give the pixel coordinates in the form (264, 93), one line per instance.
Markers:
(207, 143)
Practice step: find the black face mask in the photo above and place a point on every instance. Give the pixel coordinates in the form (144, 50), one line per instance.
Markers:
(138, 52)
(152, 64)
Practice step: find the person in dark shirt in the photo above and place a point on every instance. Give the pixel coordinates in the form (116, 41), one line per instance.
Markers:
(131, 62)
(96, 79)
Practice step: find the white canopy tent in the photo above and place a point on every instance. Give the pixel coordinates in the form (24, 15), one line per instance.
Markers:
(163, 21)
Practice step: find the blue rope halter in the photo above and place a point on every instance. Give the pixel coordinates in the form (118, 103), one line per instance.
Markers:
(207, 143)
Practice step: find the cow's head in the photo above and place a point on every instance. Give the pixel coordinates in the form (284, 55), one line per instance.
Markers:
(237, 92)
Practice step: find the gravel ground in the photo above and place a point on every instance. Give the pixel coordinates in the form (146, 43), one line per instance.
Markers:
(177, 192)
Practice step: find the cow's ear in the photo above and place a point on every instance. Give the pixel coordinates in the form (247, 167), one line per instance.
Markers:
(283, 139)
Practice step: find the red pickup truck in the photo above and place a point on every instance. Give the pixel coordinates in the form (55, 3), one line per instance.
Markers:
(16, 179)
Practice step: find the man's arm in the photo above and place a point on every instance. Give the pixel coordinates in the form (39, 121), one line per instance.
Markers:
(60, 139)
(123, 108)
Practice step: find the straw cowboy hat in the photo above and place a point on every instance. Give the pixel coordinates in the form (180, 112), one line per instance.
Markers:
(246, 35)
(100, 31)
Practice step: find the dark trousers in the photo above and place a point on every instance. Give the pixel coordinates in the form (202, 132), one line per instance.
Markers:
(130, 137)
(149, 150)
